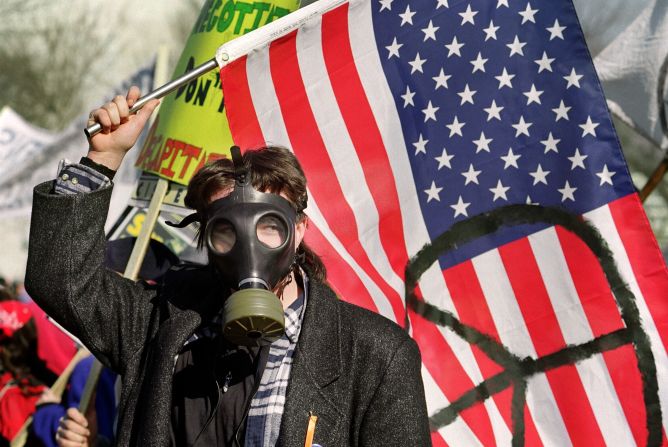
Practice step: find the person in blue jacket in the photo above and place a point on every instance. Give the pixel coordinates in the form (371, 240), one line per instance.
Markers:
(47, 418)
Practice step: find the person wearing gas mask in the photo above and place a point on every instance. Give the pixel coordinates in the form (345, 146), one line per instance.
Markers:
(252, 349)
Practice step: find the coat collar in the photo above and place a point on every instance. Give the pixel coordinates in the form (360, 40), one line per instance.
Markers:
(319, 347)
(205, 298)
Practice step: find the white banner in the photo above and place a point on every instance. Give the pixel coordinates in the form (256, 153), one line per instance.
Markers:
(29, 155)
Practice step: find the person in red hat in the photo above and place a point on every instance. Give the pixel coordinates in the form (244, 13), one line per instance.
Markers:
(24, 379)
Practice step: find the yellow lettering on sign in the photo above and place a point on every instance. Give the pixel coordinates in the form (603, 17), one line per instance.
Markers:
(134, 227)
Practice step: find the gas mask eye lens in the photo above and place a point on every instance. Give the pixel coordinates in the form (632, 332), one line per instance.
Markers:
(223, 236)
(271, 231)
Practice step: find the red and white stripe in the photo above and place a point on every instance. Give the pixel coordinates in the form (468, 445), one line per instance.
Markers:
(625, 228)
(318, 91)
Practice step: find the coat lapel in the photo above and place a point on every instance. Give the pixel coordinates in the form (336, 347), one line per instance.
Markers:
(315, 370)
(185, 311)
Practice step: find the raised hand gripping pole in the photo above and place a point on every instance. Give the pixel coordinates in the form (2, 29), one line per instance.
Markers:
(162, 91)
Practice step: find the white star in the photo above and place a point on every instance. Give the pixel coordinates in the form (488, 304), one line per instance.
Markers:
(528, 14)
(430, 112)
(471, 176)
(421, 145)
(490, 31)
(482, 143)
(522, 127)
(499, 191)
(510, 159)
(589, 127)
(441, 80)
(539, 176)
(454, 47)
(550, 144)
(544, 63)
(442, 3)
(417, 64)
(444, 159)
(467, 95)
(516, 47)
(573, 79)
(530, 202)
(493, 111)
(556, 30)
(394, 48)
(430, 31)
(386, 4)
(455, 127)
(605, 175)
(478, 63)
(567, 192)
(460, 207)
(408, 97)
(533, 95)
(433, 193)
(577, 160)
(407, 16)
(561, 111)
(504, 79)
(467, 16)
(500, 3)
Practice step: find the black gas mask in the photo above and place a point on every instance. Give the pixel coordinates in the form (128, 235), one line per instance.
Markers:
(250, 239)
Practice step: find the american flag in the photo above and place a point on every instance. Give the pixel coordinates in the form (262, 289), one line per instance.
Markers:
(428, 119)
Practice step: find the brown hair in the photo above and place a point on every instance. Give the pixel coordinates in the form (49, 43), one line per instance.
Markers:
(272, 169)
(18, 356)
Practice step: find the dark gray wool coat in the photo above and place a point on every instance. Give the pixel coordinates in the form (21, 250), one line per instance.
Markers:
(355, 370)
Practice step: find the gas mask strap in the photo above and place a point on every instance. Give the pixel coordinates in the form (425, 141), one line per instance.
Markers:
(194, 217)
